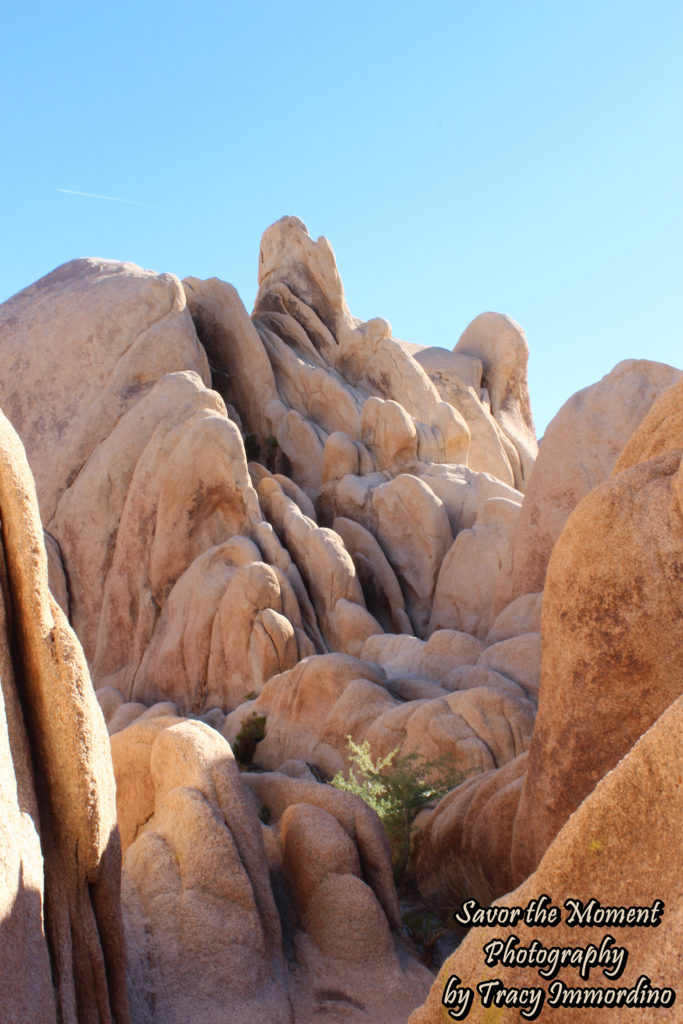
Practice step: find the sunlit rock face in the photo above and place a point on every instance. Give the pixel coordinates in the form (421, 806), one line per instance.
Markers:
(294, 518)
(621, 849)
(194, 577)
(62, 954)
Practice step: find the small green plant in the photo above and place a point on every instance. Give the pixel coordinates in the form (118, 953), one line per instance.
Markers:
(425, 929)
(270, 451)
(252, 732)
(397, 788)
(252, 695)
(252, 448)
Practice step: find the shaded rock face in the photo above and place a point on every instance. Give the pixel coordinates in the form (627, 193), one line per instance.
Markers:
(61, 934)
(276, 532)
(614, 635)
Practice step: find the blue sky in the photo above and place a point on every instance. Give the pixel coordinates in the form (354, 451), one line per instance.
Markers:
(522, 157)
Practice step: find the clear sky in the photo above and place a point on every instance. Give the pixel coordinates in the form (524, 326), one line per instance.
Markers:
(525, 157)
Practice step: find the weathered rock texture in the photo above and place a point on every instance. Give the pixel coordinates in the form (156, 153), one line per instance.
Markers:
(61, 935)
(578, 452)
(192, 578)
(613, 624)
(293, 527)
(612, 636)
(232, 919)
(620, 847)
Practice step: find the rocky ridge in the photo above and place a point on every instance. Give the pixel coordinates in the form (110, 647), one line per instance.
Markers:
(295, 519)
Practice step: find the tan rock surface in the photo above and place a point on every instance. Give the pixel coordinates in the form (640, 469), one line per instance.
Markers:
(464, 846)
(457, 377)
(113, 327)
(389, 432)
(196, 880)
(289, 255)
(501, 345)
(613, 634)
(611, 642)
(324, 563)
(463, 492)
(621, 847)
(383, 597)
(518, 658)
(660, 431)
(312, 709)
(523, 615)
(160, 480)
(579, 449)
(227, 626)
(243, 374)
(201, 916)
(471, 570)
(430, 659)
(476, 729)
(200, 586)
(415, 534)
(60, 853)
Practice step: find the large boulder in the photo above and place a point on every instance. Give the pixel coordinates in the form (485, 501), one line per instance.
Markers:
(245, 898)
(612, 636)
(61, 936)
(579, 449)
(621, 847)
(501, 346)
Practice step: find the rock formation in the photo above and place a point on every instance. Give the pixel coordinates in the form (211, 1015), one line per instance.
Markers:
(188, 580)
(271, 533)
(611, 643)
(621, 847)
(274, 895)
(61, 934)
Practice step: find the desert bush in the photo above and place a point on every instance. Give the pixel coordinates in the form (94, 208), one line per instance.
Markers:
(252, 448)
(397, 788)
(252, 731)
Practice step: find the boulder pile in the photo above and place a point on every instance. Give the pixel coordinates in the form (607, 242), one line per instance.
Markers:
(267, 536)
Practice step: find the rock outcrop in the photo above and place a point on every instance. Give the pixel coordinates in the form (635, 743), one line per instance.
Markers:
(611, 644)
(274, 890)
(579, 450)
(273, 533)
(192, 578)
(613, 634)
(61, 935)
(621, 847)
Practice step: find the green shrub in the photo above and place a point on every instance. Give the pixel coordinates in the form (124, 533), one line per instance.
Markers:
(397, 788)
(271, 448)
(425, 929)
(252, 448)
(252, 731)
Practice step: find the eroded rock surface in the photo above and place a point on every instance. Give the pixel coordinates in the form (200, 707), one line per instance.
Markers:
(621, 847)
(271, 533)
(271, 895)
(579, 449)
(610, 663)
(61, 934)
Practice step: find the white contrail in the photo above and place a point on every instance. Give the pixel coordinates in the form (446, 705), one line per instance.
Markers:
(93, 195)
